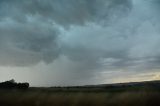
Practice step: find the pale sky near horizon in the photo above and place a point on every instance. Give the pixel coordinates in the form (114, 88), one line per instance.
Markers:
(79, 42)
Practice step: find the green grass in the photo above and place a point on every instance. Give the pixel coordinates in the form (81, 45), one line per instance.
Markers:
(46, 97)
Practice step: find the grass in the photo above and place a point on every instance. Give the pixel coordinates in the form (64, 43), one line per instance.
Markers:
(50, 98)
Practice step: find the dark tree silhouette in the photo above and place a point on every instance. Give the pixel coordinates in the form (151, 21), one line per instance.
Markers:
(23, 85)
(11, 84)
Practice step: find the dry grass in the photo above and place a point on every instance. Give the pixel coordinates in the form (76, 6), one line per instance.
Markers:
(43, 98)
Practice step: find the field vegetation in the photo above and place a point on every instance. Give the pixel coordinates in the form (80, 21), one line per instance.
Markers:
(125, 94)
(64, 97)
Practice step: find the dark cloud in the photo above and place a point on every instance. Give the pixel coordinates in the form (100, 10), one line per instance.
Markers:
(80, 39)
(29, 29)
(128, 44)
(30, 32)
(27, 44)
(65, 12)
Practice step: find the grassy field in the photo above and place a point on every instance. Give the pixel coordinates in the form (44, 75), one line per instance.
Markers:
(49, 97)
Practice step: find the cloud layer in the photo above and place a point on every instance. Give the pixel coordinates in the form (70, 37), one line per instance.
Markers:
(80, 38)
(29, 29)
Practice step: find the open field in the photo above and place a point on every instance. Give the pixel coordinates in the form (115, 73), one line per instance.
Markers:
(121, 94)
(52, 97)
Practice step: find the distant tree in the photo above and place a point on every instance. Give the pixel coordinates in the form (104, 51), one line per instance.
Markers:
(11, 84)
(23, 85)
(12, 81)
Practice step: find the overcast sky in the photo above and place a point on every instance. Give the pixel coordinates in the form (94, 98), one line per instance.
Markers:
(79, 42)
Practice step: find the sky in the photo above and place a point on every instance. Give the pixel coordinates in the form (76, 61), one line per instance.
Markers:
(79, 42)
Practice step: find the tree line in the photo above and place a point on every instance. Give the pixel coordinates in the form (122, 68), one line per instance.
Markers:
(11, 84)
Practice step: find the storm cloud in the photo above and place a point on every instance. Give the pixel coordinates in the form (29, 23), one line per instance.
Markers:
(29, 29)
(81, 39)
(65, 12)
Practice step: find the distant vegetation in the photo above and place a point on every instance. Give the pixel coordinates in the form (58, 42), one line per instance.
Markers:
(11, 84)
(127, 94)
(45, 98)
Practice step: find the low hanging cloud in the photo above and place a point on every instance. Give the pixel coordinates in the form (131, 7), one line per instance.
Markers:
(27, 44)
(128, 44)
(93, 34)
(90, 41)
(30, 29)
